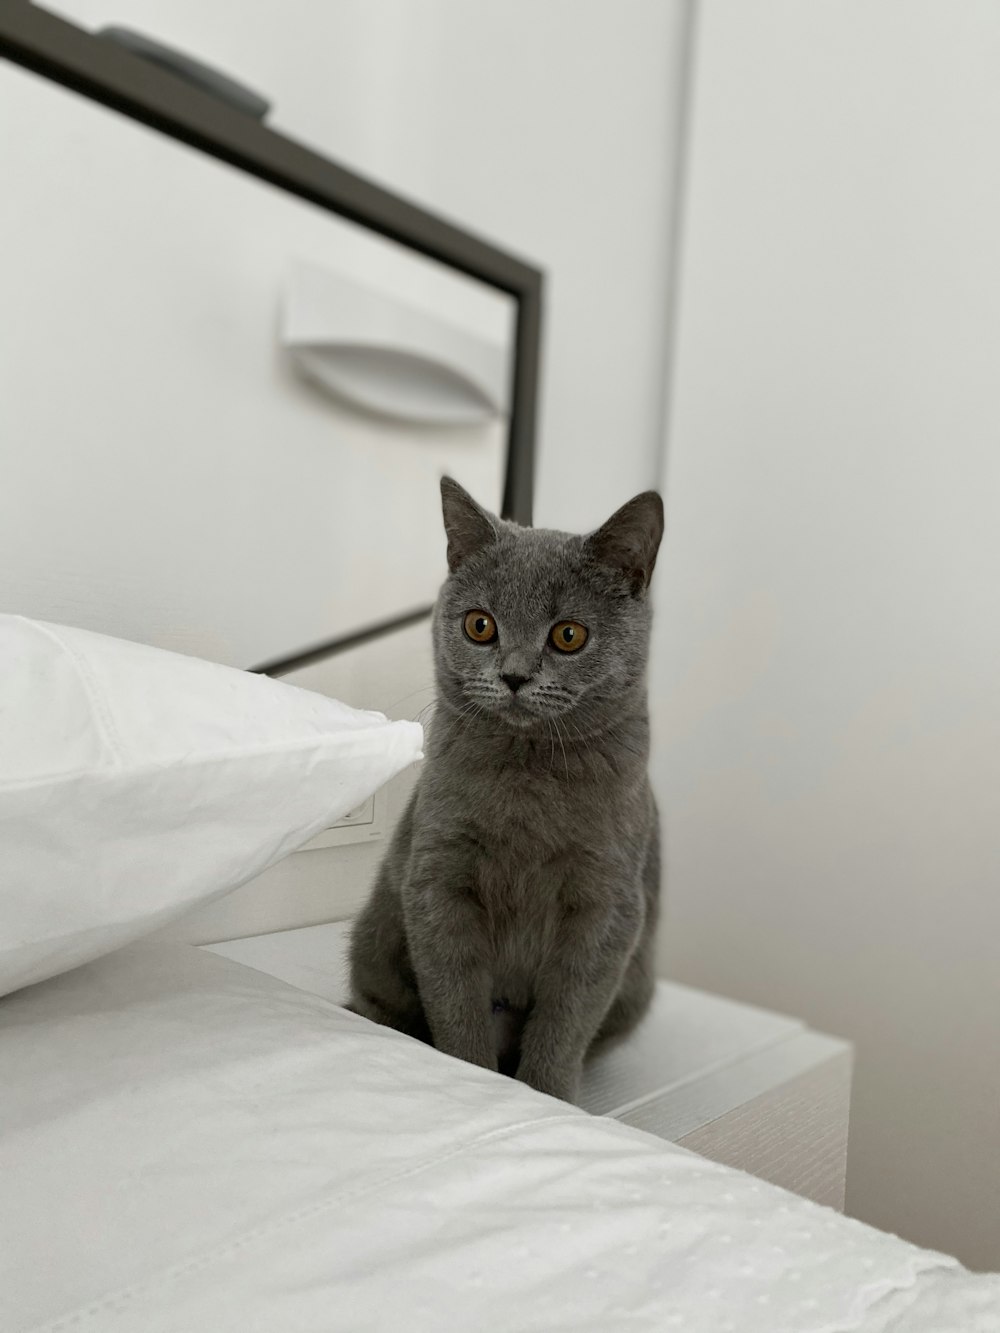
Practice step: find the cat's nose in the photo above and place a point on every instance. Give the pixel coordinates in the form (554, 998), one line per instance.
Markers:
(514, 683)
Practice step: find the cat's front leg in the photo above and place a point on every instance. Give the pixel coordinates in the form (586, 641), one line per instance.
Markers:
(573, 993)
(449, 952)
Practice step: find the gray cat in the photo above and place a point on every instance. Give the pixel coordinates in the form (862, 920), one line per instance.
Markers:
(512, 922)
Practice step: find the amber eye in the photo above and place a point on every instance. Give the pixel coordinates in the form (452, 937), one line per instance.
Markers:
(568, 636)
(480, 627)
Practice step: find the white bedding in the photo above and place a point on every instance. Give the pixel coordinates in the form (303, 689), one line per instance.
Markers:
(187, 1144)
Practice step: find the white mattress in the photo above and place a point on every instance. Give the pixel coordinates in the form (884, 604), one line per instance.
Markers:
(187, 1144)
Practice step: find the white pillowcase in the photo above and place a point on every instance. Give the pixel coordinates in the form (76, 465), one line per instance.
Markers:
(136, 783)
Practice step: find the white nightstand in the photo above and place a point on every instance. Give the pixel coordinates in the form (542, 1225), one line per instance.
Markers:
(753, 1089)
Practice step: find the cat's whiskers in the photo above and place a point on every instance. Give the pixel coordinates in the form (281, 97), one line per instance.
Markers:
(469, 710)
(562, 746)
(482, 688)
(420, 690)
(427, 711)
(552, 742)
(612, 733)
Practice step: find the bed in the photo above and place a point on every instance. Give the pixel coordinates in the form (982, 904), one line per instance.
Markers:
(188, 1144)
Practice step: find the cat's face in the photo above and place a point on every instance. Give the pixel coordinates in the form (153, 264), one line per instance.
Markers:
(534, 627)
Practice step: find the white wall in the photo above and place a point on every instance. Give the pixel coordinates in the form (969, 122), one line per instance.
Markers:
(550, 126)
(827, 680)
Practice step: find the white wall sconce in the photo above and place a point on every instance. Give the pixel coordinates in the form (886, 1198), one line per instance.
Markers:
(386, 357)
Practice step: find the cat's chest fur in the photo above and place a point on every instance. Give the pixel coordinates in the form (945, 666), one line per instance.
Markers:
(549, 837)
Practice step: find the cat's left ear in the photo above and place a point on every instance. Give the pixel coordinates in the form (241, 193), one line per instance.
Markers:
(468, 525)
(630, 539)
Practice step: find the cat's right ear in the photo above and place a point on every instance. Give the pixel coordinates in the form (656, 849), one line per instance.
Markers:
(630, 539)
(468, 525)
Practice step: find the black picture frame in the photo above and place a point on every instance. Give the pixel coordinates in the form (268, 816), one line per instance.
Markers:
(107, 73)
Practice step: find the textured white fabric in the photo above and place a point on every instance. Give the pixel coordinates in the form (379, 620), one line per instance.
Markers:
(187, 1145)
(135, 783)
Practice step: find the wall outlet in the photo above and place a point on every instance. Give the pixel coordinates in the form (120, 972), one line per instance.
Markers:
(364, 823)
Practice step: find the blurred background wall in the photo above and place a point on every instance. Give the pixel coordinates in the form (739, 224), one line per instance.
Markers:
(550, 127)
(827, 665)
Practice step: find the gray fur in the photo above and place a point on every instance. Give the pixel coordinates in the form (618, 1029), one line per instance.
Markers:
(525, 868)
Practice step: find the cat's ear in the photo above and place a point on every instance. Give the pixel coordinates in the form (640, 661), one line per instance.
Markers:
(630, 539)
(468, 525)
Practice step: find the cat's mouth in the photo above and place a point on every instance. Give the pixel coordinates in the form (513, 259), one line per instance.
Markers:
(516, 709)
(519, 713)
(524, 713)
(515, 712)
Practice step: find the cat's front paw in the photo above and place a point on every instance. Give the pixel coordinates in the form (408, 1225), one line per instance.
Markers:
(561, 1083)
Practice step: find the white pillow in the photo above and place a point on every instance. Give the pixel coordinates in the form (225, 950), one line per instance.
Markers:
(135, 783)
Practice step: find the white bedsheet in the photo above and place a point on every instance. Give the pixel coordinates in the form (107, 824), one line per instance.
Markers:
(187, 1144)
